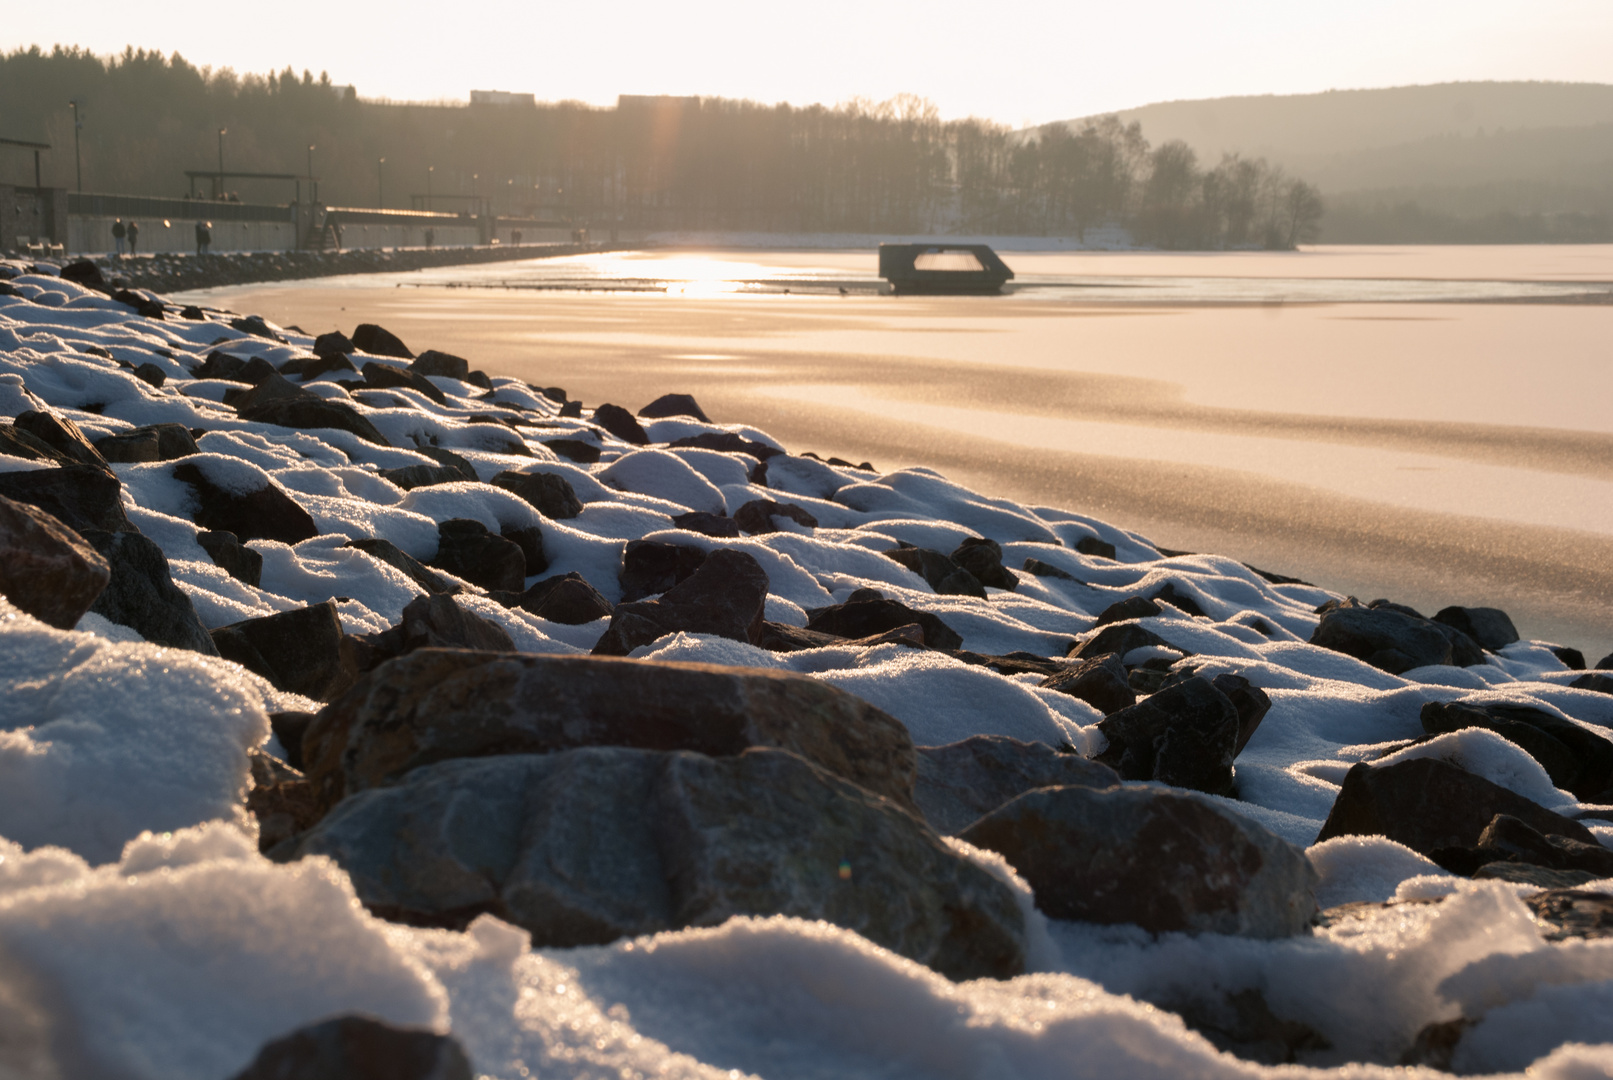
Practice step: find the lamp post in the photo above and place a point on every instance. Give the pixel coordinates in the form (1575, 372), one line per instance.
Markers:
(313, 193)
(219, 189)
(380, 183)
(78, 165)
(429, 170)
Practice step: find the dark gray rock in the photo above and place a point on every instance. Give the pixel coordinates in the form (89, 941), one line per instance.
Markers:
(313, 414)
(674, 405)
(434, 704)
(718, 525)
(312, 367)
(1574, 913)
(650, 567)
(142, 595)
(61, 435)
(442, 365)
(584, 453)
(1098, 855)
(377, 341)
(1091, 545)
(466, 549)
(14, 442)
(232, 556)
(726, 442)
(591, 845)
(334, 343)
(81, 497)
(299, 651)
(1605, 663)
(962, 782)
(409, 477)
(620, 423)
(47, 569)
(859, 618)
(983, 559)
(1539, 876)
(1576, 758)
(150, 374)
(1602, 684)
(265, 514)
(130, 447)
(418, 572)
(359, 1048)
(1041, 569)
(1385, 638)
(1127, 610)
(1572, 659)
(567, 599)
(1186, 735)
(256, 326)
(756, 517)
(725, 596)
(1117, 638)
(1427, 804)
(381, 376)
(550, 494)
(1488, 626)
(449, 460)
(1100, 681)
(943, 575)
(1181, 601)
(436, 621)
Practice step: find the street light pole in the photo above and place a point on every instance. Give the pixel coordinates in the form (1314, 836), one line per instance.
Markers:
(220, 187)
(313, 192)
(380, 184)
(78, 165)
(429, 170)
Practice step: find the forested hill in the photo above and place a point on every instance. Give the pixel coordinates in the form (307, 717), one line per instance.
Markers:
(1481, 161)
(658, 163)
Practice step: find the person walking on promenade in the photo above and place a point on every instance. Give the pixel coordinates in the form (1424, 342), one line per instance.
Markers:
(204, 236)
(118, 233)
(134, 236)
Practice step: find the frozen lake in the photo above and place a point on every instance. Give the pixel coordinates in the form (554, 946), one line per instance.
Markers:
(1430, 424)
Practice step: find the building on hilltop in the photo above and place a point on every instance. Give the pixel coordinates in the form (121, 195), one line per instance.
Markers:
(502, 97)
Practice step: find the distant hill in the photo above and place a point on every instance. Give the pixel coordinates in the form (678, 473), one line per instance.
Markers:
(1484, 161)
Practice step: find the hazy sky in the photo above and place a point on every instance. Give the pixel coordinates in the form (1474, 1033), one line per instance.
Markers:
(1019, 63)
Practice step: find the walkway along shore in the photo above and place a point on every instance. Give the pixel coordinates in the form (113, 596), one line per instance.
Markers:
(169, 272)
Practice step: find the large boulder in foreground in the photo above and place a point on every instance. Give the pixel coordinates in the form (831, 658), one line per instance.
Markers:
(1427, 804)
(435, 704)
(596, 844)
(46, 569)
(962, 782)
(358, 1047)
(726, 597)
(1166, 861)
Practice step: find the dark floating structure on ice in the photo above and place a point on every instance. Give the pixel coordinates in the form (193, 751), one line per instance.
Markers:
(942, 268)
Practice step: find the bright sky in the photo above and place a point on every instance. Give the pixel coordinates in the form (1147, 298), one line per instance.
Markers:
(1030, 62)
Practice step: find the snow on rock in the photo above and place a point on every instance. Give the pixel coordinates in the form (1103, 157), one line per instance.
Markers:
(101, 741)
(145, 936)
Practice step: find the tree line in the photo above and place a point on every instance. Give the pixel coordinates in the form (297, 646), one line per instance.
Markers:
(650, 163)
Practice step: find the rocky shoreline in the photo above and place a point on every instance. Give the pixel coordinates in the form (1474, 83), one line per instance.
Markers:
(171, 273)
(366, 702)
